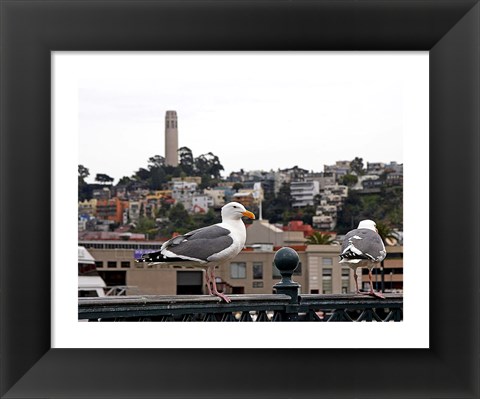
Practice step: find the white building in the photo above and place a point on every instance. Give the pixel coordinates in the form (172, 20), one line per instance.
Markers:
(340, 168)
(217, 195)
(201, 203)
(134, 210)
(303, 192)
(183, 192)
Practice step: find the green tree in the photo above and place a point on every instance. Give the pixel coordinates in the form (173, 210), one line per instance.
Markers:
(357, 166)
(157, 161)
(307, 213)
(84, 189)
(349, 180)
(180, 220)
(237, 186)
(206, 219)
(146, 226)
(142, 175)
(208, 166)
(386, 232)
(103, 178)
(126, 182)
(83, 173)
(278, 208)
(318, 238)
(158, 178)
(186, 163)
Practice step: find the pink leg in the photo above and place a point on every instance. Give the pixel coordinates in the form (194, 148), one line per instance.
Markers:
(215, 291)
(372, 292)
(355, 277)
(207, 281)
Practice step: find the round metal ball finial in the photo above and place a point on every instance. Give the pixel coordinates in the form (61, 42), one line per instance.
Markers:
(286, 260)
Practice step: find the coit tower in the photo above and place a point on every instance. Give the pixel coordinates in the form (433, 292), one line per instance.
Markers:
(171, 138)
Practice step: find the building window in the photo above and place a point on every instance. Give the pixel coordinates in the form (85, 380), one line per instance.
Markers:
(327, 281)
(257, 270)
(125, 264)
(238, 270)
(327, 261)
(99, 264)
(257, 284)
(112, 264)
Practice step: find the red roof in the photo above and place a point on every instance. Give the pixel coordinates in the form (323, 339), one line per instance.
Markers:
(298, 225)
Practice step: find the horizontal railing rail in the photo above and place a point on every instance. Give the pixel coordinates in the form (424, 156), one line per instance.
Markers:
(351, 307)
(287, 304)
(183, 308)
(273, 307)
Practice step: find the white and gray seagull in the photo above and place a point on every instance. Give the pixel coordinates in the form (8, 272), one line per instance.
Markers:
(208, 247)
(363, 247)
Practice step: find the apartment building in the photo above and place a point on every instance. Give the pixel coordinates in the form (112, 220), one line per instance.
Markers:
(303, 192)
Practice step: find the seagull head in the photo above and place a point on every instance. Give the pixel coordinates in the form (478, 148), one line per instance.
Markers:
(368, 224)
(235, 211)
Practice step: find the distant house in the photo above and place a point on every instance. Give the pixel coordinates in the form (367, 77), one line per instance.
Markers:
(201, 203)
(298, 225)
(111, 209)
(303, 192)
(217, 195)
(375, 168)
(244, 197)
(183, 192)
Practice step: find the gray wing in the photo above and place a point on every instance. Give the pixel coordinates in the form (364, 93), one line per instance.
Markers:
(200, 244)
(363, 244)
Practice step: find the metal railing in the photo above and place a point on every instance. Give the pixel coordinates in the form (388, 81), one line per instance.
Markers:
(286, 305)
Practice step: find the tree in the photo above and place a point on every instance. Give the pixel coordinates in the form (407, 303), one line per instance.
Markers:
(208, 166)
(237, 186)
(318, 238)
(277, 209)
(357, 166)
(349, 180)
(386, 232)
(83, 173)
(186, 163)
(84, 189)
(142, 175)
(157, 161)
(103, 178)
(180, 220)
(307, 214)
(126, 182)
(145, 226)
(158, 178)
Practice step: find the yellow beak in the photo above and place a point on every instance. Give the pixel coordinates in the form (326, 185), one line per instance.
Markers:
(248, 214)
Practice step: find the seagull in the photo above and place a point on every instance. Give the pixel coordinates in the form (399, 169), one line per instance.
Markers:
(208, 246)
(363, 247)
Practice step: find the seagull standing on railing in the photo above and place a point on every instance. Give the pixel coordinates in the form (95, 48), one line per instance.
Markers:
(208, 246)
(363, 247)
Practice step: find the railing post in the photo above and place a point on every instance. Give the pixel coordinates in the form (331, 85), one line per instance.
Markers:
(286, 260)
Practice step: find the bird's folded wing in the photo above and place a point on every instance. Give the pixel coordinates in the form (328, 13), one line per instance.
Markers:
(363, 243)
(198, 245)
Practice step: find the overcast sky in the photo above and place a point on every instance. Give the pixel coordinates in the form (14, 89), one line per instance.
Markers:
(253, 110)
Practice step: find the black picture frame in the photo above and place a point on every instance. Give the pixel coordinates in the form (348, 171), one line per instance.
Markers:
(30, 30)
